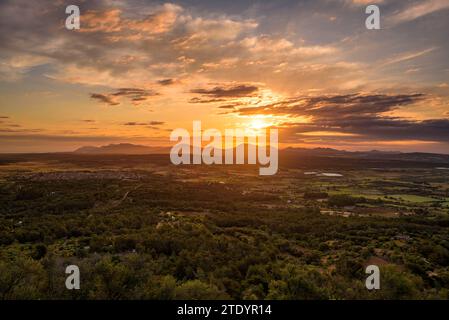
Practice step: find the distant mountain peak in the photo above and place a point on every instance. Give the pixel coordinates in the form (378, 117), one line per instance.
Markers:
(121, 148)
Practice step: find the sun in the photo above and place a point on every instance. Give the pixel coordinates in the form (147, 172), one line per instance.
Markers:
(258, 124)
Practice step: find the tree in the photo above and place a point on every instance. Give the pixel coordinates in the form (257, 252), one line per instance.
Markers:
(197, 290)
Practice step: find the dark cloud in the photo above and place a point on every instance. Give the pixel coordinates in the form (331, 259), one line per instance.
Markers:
(156, 123)
(373, 129)
(49, 137)
(4, 117)
(151, 123)
(227, 106)
(135, 95)
(233, 105)
(360, 117)
(22, 130)
(228, 92)
(347, 105)
(88, 120)
(134, 123)
(104, 99)
(166, 82)
(336, 106)
(392, 129)
(199, 100)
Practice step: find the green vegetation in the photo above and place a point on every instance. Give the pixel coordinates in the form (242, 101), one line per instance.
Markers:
(219, 233)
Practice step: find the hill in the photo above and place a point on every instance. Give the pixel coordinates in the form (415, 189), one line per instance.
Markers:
(121, 148)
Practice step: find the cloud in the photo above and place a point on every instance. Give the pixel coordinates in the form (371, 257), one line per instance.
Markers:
(16, 67)
(118, 28)
(407, 56)
(135, 95)
(104, 99)
(353, 117)
(50, 137)
(364, 2)
(166, 82)
(336, 105)
(135, 43)
(228, 92)
(151, 123)
(227, 57)
(419, 9)
(374, 129)
(283, 47)
(19, 131)
(201, 100)
(156, 123)
(227, 106)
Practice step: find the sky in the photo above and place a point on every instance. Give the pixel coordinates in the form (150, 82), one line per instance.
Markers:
(136, 70)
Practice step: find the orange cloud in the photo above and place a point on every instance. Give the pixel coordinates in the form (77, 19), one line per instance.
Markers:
(111, 21)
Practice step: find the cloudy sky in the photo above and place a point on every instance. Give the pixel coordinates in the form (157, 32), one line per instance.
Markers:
(138, 69)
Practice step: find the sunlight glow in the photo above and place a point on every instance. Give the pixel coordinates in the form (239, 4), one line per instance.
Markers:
(259, 124)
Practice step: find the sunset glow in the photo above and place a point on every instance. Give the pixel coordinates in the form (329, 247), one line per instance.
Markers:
(259, 123)
(135, 70)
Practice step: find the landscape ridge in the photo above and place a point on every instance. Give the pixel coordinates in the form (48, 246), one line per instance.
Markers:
(135, 149)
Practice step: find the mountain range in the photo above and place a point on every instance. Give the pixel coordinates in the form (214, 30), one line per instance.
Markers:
(128, 148)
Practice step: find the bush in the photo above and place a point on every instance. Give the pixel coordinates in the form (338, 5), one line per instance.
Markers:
(29, 194)
(40, 250)
(197, 290)
(311, 195)
(341, 200)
